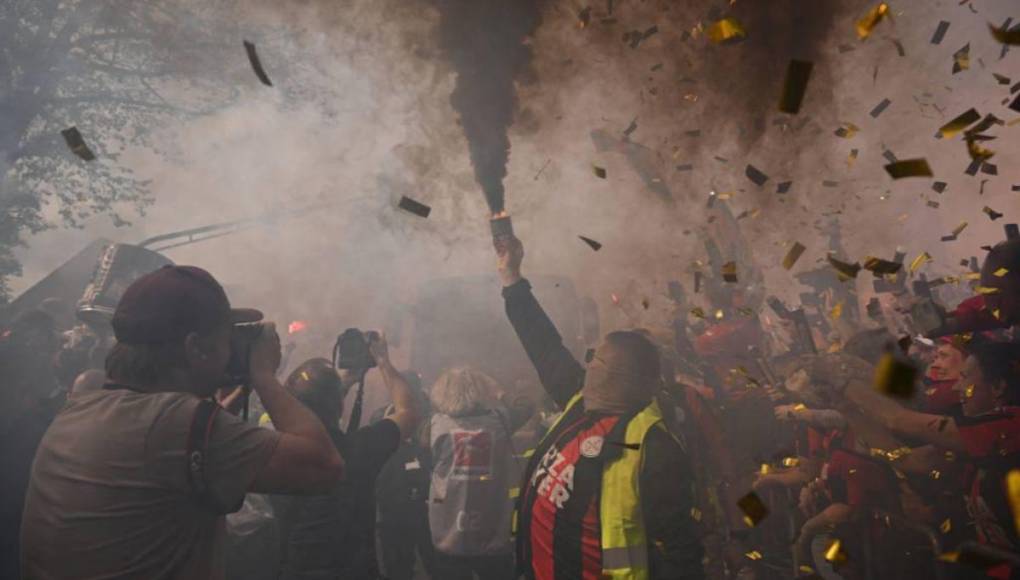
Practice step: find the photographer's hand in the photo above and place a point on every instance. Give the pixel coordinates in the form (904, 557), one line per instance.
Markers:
(510, 254)
(379, 348)
(305, 460)
(405, 409)
(265, 353)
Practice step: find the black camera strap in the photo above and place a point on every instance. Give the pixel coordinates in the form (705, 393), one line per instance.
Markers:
(359, 400)
(198, 443)
(195, 449)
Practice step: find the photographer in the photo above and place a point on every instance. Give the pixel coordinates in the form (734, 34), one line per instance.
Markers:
(133, 480)
(333, 535)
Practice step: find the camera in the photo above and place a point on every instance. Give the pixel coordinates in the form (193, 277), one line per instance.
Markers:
(351, 350)
(242, 339)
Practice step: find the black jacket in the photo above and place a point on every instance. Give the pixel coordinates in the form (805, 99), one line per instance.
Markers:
(666, 481)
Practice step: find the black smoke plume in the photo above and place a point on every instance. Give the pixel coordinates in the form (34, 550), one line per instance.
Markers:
(484, 41)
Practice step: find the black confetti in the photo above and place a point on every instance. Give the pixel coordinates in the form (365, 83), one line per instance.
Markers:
(879, 108)
(755, 175)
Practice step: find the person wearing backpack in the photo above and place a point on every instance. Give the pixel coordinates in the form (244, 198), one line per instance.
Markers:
(474, 475)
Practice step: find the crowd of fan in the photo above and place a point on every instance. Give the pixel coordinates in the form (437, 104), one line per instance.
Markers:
(750, 460)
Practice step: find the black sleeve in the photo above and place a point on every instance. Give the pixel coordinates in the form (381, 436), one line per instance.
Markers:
(373, 446)
(674, 543)
(560, 373)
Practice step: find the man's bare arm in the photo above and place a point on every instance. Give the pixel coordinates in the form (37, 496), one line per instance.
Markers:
(305, 459)
(405, 406)
(938, 430)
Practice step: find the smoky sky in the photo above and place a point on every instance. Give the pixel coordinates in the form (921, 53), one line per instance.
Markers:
(375, 99)
(484, 42)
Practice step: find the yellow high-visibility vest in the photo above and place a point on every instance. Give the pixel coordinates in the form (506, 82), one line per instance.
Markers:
(624, 542)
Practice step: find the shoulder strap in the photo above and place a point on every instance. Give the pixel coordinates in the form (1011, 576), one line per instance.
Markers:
(196, 449)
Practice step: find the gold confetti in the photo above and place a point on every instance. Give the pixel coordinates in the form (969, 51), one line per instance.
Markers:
(969, 391)
(895, 377)
(987, 290)
(765, 469)
(719, 314)
(871, 19)
(1000, 272)
(909, 168)
(1005, 36)
(844, 270)
(791, 461)
(959, 229)
(796, 250)
(835, 554)
(800, 407)
(847, 130)
(697, 312)
(304, 376)
(754, 509)
(806, 569)
(881, 267)
(991, 213)
(996, 313)
(1013, 495)
(836, 311)
(935, 474)
(729, 272)
(725, 30)
(695, 514)
(960, 123)
(977, 152)
(753, 555)
(946, 526)
(951, 557)
(919, 261)
(961, 59)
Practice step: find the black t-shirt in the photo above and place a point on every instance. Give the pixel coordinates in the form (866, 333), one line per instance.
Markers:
(333, 535)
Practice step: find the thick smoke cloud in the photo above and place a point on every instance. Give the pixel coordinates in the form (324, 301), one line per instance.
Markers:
(361, 114)
(484, 41)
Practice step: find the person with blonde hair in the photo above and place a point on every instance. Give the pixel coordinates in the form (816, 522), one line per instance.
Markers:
(474, 471)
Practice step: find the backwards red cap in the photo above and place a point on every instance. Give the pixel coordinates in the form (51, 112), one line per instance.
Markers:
(168, 304)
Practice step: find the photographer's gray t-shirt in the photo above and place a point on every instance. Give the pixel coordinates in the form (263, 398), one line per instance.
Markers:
(109, 494)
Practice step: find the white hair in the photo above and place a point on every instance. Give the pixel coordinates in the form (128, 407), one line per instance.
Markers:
(462, 391)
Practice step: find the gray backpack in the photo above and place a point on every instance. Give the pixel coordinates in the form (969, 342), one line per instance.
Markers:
(474, 470)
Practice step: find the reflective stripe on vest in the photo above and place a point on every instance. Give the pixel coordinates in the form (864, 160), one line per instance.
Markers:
(624, 544)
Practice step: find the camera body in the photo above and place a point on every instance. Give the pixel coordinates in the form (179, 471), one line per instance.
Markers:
(351, 350)
(242, 340)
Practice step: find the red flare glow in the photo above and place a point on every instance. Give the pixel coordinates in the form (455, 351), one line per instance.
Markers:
(616, 299)
(296, 326)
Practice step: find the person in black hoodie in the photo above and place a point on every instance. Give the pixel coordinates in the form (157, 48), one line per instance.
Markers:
(402, 490)
(333, 535)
